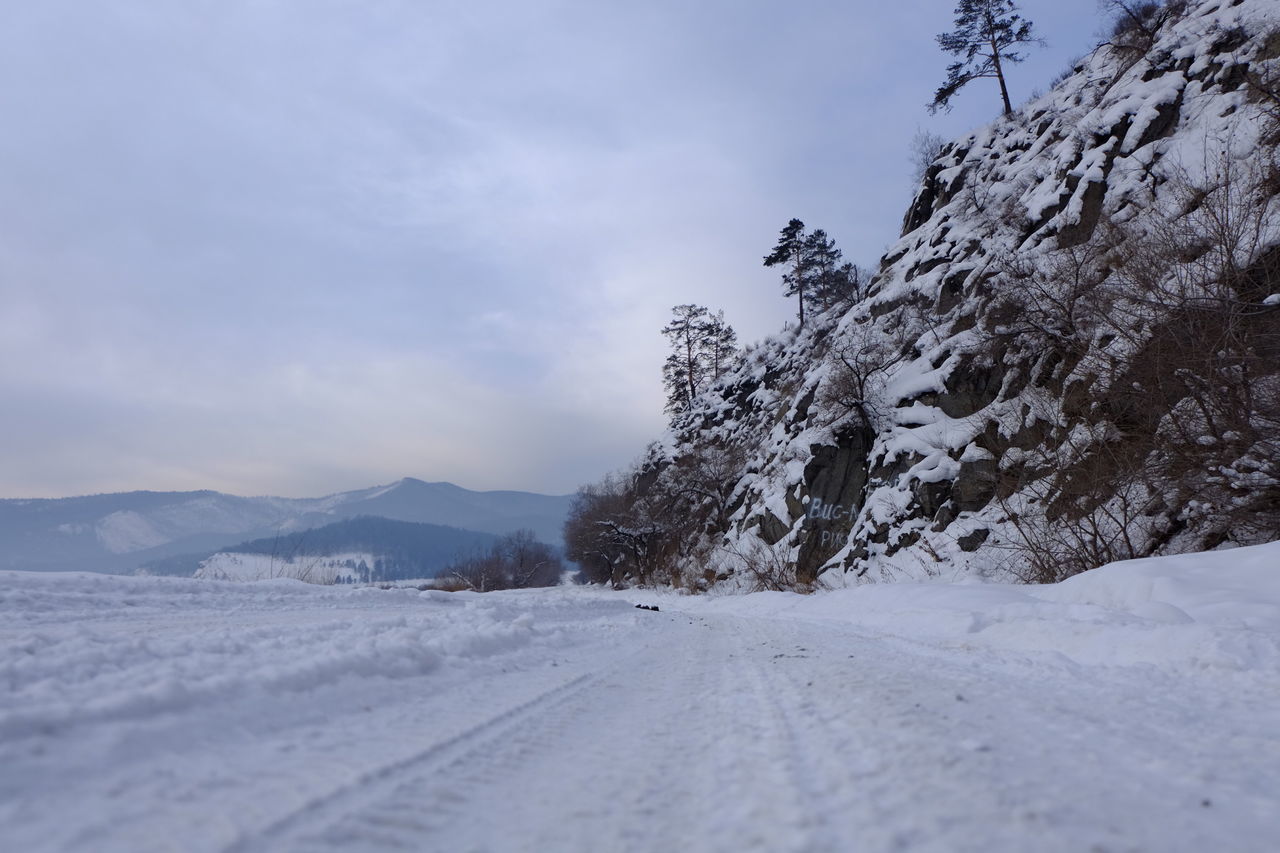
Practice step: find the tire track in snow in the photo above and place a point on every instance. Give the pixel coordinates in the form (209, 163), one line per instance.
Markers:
(784, 754)
(627, 758)
(437, 799)
(597, 773)
(373, 790)
(724, 733)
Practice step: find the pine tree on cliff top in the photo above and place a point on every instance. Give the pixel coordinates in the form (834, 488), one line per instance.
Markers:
(792, 250)
(985, 35)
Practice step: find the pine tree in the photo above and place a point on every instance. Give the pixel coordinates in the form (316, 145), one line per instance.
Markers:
(702, 349)
(825, 284)
(792, 250)
(685, 371)
(721, 345)
(985, 35)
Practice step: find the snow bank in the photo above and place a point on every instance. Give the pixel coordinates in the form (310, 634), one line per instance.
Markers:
(1217, 610)
(1236, 588)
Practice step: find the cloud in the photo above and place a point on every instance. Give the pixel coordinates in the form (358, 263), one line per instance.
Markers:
(288, 247)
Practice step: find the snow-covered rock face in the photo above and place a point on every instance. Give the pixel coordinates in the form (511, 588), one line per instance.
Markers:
(905, 436)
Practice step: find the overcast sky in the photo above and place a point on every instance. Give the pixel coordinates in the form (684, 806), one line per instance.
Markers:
(299, 246)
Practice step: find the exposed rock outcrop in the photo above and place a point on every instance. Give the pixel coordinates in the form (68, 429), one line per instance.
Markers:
(1004, 357)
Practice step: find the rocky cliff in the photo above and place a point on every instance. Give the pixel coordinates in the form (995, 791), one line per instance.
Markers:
(1071, 353)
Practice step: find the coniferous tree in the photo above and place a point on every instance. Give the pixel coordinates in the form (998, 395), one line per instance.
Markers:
(684, 373)
(824, 269)
(792, 250)
(985, 37)
(841, 285)
(702, 348)
(721, 345)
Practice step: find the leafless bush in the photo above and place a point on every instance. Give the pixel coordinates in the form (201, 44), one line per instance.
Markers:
(625, 529)
(1072, 67)
(298, 565)
(588, 530)
(1211, 362)
(704, 478)
(516, 561)
(926, 148)
(767, 568)
(311, 570)
(1263, 82)
(863, 358)
(652, 523)
(1077, 504)
(1136, 23)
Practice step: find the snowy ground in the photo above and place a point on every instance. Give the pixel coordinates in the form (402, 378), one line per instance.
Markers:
(1134, 708)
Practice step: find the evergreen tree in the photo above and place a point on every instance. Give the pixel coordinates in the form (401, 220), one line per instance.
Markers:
(792, 250)
(824, 270)
(985, 35)
(684, 373)
(702, 349)
(721, 345)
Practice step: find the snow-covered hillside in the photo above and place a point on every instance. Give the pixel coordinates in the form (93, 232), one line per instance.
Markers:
(1069, 357)
(1132, 708)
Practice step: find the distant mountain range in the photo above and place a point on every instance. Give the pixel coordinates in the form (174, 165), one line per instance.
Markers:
(122, 532)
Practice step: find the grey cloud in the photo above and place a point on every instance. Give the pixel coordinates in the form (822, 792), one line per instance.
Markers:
(297, 247)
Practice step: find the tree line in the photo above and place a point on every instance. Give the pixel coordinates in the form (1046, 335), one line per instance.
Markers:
(703, 347)
(516, 561)
(814, 270)
(650, 522)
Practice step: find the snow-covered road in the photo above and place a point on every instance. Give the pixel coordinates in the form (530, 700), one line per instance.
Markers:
(147, 714)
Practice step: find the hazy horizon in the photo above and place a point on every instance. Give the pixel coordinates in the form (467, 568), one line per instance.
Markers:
(299, 496)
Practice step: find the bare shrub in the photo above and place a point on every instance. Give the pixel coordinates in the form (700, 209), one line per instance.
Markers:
(926, 148)
(516, 561)
(767, 568)
(1263, 82)
(297, 564)
(1071, 68)
(652, 523)
(624, 529)
(1211, 361)
(1076, 505)
(588, 530)
(1136, 23)
(705, 478)
(863, 358)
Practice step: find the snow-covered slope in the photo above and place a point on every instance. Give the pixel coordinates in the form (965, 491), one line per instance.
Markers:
(1131, 708)
(1048, 267)
(1215, 611)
